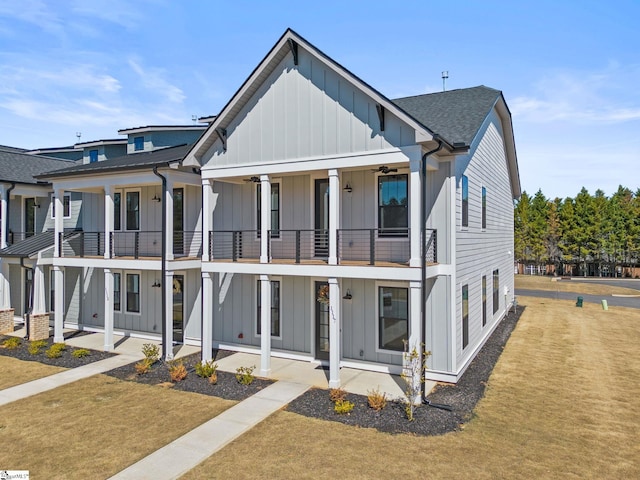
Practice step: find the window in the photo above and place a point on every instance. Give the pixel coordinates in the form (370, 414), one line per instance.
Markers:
(275, 308)
(484, 207)
(393, 215)
(393, 318)
(117, 292)
(138, 144)
(133, 292)
(66, 206)
(93, 156)
(484, 300)
(275, 209)
(465, 201)
(117, 201)
(496, 291)
(133, 210)
(465, 316)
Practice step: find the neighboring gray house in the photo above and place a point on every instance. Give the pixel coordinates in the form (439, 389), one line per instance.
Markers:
(312, 190)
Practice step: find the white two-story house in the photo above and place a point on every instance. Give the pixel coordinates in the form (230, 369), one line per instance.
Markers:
(339, 224)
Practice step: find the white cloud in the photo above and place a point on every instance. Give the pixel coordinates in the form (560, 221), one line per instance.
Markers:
(153, 79)
(36, 12)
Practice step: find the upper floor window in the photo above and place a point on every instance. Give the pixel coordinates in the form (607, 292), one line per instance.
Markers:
(484, 207)
(465, 201)
(393, 211)
(275, 209)
(117, 205)
(93, 156)
(138, 143)
(133, 210)
(66, 206)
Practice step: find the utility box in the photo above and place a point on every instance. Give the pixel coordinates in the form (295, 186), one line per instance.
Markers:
(579, 302)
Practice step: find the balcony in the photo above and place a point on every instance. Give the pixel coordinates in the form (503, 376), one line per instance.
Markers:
(390, 247)
(138, 244)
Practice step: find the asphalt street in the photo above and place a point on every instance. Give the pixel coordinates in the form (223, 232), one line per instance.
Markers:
(633, 302)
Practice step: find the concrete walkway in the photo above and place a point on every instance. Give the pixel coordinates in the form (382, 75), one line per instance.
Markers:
(183, 454)
(34, 387)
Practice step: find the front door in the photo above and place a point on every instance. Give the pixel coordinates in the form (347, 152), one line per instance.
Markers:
(322, 323)
(29, 217)
(321, 243)
(178, 308)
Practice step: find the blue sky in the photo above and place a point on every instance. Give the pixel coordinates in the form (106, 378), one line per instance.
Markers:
(569, 70)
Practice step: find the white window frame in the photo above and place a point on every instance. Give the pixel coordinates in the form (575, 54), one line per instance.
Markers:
(126, 291)
(255, 308)
(53, 205)
(401, 171)
(392, 284)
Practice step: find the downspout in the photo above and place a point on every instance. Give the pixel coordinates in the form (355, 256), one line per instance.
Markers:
(423, 242)
(27, 314)
(163, 268)
(6, 221)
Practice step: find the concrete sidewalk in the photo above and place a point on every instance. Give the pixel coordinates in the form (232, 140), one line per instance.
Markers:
(34, 387)
(184, 453)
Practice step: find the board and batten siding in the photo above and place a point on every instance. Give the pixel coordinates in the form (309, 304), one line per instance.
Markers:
(306, 111)
(481, 251)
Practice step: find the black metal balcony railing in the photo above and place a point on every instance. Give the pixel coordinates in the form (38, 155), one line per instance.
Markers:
(234, 245)
(134, 244)
(374, 245)
(15, 237)
(298, 245)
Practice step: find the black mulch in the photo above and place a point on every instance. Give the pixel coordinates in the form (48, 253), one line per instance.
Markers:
(66, 360)
(461, 397)
(227, 386)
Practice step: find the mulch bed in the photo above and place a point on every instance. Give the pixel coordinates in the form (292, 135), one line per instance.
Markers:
(66, 360)
(227, 386)
(461, 397)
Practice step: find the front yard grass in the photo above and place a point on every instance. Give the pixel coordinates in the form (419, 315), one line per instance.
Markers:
(540, 282)
(15, 372)
(563, 401)
(96, 427)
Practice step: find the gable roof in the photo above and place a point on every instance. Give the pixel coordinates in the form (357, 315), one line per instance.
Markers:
(24, 168)
(289, 42)
(132, 161)
(456, 115)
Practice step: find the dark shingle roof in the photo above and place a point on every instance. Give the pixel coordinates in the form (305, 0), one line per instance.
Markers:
(13, 149)
(456, 115)
(127, 162)
(22, 168)
(29, 246)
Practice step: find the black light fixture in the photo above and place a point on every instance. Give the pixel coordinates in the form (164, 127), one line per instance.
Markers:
(348, 295)
(347, 188)
(156, 198)
(156, 284)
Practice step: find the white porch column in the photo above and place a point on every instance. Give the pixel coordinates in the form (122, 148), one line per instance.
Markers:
(5, 286)
(168, 212)
(39, 297)
(335, 301)
(207, 217)
(334, 215)
(109, 216)
(207, 316)
(265, 217)
(58, 220)
(415, 185)
(58, 280)
(108, 309)
(167, 284)
(265, 326)
(3, 217)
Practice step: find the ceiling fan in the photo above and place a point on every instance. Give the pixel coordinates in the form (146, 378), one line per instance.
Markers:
(253, 179)
(385, 170)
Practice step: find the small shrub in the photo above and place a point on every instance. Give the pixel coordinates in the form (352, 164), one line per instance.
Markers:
(337, 395)
(376, 399)
(36, 346)
(55, 350)
(177, 370)
(143, 366)
(12, 343)
(213, 378)
(151, 352)
(80, 353)
(343, 406)
(244, 375)
(206, 369)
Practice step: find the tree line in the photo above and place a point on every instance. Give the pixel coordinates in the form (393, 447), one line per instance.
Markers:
(586, 235)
